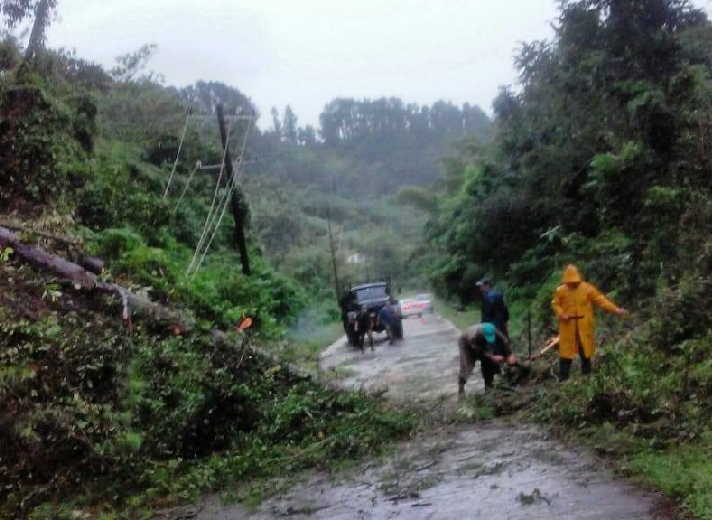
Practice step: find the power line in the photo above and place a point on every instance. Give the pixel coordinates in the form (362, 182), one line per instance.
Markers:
(180, 147)
(187, 185)
(209, 219)
(228, 194)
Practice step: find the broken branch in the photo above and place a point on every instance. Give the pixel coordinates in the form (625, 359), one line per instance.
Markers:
(82, 279)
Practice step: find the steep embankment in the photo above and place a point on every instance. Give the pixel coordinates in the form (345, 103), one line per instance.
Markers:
(103, 411)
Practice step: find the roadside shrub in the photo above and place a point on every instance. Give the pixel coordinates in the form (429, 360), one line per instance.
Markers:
(40, 151)
(90, 412)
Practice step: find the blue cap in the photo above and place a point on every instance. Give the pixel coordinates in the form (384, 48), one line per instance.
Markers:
(489, 332)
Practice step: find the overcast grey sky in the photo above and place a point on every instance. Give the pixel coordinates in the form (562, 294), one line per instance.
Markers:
(307, 52)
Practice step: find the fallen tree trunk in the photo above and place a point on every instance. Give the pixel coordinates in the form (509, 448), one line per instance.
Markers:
(92, 264)
(59, 238)
(82, 279)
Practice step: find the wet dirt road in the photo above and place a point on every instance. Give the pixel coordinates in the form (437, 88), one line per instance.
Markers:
(493, 470)
(423, 367)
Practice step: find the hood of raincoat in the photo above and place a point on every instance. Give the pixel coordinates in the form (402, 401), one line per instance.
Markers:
(571, 274)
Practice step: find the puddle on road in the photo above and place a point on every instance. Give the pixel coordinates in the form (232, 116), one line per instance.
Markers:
(490, 471)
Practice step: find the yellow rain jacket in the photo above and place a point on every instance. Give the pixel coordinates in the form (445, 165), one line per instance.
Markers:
(578, 303)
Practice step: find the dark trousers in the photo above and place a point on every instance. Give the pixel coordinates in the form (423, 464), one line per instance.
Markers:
(489, 369)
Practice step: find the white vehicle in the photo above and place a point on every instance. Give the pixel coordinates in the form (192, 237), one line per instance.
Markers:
(417, 306)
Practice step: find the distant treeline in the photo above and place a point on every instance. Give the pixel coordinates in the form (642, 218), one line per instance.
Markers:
(347, 121)
(383, 143)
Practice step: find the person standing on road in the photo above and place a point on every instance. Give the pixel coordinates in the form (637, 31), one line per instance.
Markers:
(573, 304)
(479, 342)
(494, 310)
(389, 318)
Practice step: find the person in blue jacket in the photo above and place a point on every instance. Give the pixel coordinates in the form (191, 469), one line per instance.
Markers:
(388, 316)
(494, 310)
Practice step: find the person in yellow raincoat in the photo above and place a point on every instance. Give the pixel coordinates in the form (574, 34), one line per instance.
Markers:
(573, 304)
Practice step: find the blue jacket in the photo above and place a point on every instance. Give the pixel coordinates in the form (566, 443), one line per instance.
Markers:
(494, 310)
(387, 316)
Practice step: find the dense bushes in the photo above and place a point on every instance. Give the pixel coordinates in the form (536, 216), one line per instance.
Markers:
(90, 410)
(593, 162)
(100, 413)
(41, 145)
(602, 159)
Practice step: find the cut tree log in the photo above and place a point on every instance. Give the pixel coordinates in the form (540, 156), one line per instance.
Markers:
(92, 264)
(59, 238)
(132, 303)
(81, 279)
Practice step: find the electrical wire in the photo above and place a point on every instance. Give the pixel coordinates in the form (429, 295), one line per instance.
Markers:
(229, 193)
(180, 147)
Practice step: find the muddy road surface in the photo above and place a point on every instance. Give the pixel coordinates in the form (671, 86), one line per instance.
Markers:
(422, 367)
(492, 470)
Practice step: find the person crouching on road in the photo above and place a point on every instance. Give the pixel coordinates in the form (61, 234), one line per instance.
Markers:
(573, 304)
(479, 342)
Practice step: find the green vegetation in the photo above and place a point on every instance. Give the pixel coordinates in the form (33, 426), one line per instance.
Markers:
(105, 415)
(350, 180)
(601, 159)
(683, 472)
(461, 316)
(110, 420)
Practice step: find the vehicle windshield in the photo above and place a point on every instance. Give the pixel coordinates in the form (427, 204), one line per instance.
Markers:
(376, 292)
(423, 296)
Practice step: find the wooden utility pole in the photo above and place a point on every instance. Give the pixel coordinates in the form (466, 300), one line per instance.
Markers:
(529, 333)
(332, 249)
(238, 204)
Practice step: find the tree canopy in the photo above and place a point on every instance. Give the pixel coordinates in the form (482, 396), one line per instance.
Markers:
(592, 160)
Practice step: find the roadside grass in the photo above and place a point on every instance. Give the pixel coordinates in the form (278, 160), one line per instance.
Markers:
(683, 472)
(629, 413)
(475, 408)
(461, 318)
(302, 348)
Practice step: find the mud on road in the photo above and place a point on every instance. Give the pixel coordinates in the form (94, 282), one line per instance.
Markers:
(494, 470)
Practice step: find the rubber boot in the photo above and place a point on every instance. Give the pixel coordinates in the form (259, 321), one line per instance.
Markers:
(585, 365)
(564, 369)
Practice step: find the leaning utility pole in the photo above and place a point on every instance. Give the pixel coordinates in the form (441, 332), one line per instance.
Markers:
(238, 203)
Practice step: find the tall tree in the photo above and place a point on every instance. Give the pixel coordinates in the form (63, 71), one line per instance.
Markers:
(289, 125)
(129, 65)
(276, 123)
(39, 27)
(15, 12)
(600, 129)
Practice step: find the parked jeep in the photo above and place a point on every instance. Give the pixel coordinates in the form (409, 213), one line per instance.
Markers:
(363, 313)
